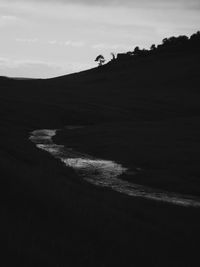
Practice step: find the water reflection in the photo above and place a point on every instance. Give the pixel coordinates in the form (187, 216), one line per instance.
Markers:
(104, 173)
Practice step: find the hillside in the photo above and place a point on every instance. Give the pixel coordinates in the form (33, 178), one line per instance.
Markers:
(144, 114)
(148, 117)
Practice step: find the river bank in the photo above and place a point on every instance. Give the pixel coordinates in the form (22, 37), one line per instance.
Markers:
(161, 154)
(52, 211)
(105, 173)
(52, 217)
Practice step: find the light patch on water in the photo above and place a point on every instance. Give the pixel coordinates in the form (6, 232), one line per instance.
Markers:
(95, 164)
(42, 136)
(55, 150)
(105, 173)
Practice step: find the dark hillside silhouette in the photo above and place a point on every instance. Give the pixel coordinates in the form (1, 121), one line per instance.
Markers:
(145, 116)
(172, 45)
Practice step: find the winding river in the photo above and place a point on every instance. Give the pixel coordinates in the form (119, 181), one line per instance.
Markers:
(104, 173)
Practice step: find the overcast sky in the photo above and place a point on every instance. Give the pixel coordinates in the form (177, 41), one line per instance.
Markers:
(46, 38)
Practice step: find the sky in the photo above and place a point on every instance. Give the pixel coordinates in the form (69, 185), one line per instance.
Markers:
(48, 38)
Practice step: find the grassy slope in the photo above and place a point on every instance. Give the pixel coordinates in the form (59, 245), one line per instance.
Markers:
(149, 118)
(146, 115)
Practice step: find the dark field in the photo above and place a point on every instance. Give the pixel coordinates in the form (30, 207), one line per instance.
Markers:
(145, 116)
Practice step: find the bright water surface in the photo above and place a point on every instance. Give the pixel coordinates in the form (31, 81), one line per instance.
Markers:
(104, 173)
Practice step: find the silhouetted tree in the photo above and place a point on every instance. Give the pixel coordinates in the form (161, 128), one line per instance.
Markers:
(153, 47)
(144, 52)
(195, 36)
(100, 59)
(195, 41)
(113, 56)
(172, 45)
(182, 39)
(137, 51)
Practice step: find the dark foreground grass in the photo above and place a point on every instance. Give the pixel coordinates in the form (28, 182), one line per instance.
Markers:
(50, 217)
(167, 151)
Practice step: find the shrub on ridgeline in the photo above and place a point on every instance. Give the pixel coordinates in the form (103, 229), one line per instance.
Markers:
(195, 41)
(136, 51)
(171, 45)
(100, 59)
(153, 47)
(113, 56)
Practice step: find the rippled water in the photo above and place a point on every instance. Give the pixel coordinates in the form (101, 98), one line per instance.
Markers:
(104, 173)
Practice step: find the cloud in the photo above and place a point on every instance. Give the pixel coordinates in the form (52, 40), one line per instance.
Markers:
(38, 69)
(7, 20)
(105, 46)
(27, 40)
(63, 31)
(67, 43)
(125, 3)
(27, 68)
(75, 43)
(51, 42)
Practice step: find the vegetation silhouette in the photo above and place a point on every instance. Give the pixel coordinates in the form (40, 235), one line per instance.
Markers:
(144, 116)
(113, 56)
(100, 59)
(171, 45)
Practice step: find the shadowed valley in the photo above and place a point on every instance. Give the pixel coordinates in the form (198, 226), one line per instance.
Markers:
(142, 112)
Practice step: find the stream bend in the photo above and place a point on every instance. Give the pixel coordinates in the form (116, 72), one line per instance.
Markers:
(104, 173)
